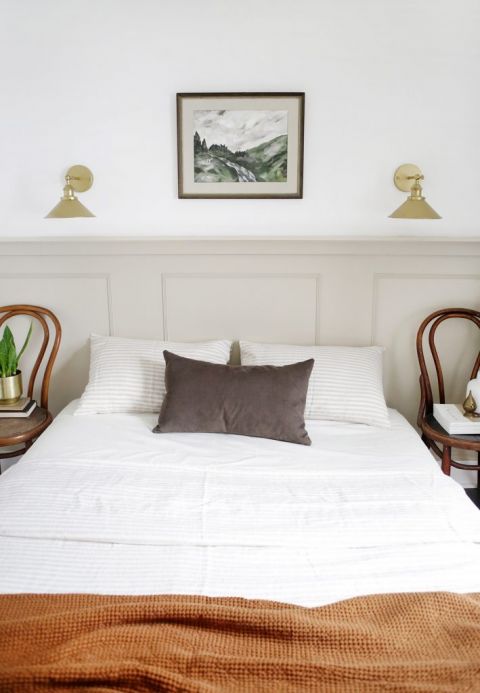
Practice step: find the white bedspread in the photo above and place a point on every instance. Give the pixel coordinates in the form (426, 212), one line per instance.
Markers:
(101, 504)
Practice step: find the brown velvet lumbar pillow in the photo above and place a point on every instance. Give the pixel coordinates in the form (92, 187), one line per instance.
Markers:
(261, 401)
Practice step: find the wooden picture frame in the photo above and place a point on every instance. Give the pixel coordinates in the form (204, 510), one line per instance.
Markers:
(240, 145)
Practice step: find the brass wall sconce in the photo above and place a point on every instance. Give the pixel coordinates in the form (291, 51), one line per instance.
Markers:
(407, 178)
(77, 179)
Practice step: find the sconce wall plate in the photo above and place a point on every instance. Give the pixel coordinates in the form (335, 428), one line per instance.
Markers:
(405, 175)
(81, 178)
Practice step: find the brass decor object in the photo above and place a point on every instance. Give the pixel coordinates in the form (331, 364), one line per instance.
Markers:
(407, 179)
(11, 388)
(77, 179)
(469, 407)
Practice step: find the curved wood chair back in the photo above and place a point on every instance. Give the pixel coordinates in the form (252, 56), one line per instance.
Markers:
(430, 325)
(42, 315)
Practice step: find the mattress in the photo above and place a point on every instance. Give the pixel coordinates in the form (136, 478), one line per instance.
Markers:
(102, 505)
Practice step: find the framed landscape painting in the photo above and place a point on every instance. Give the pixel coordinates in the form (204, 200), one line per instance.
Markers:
(240, 145)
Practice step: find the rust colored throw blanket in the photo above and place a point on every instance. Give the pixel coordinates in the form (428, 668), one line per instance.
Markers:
(394, 642)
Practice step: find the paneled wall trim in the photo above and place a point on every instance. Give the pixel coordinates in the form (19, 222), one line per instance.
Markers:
(323, 291)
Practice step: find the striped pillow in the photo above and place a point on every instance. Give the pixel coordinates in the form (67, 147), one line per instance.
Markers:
(345, 385)
(128, 375)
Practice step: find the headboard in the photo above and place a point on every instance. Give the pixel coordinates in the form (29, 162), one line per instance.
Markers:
(303, 291)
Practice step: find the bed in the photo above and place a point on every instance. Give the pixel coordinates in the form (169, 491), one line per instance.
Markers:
(119, 510)
(218, 546)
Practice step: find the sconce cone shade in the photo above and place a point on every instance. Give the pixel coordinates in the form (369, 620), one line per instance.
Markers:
(66, 208)
(415, 209)
(78, 179)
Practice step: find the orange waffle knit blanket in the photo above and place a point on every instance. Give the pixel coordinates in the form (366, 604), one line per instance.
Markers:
(393, 642)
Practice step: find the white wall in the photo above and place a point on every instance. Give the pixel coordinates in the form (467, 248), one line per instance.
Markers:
(94, 82)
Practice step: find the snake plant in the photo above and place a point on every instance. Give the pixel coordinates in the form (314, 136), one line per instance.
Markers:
(9, 358)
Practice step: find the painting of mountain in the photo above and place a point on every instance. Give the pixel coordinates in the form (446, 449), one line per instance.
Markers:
(240, 146)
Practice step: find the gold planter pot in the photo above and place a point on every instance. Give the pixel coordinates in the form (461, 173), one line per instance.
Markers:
(11, 388)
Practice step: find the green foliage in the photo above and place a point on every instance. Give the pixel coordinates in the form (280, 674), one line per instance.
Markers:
(197, 143)
(222, 150)
(9, 359)
(267, 161)
(209, 169)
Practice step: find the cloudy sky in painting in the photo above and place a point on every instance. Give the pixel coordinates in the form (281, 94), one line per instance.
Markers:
(239, 130)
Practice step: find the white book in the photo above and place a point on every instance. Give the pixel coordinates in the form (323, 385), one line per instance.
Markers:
(451, 418)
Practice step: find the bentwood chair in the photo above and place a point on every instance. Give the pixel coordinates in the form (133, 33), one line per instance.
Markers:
(23, 431)
(433, 435)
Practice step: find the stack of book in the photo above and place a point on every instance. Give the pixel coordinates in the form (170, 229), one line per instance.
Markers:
(22, 408)
(451, 418)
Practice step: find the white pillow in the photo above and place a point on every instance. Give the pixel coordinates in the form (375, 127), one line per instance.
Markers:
(128, 375)
(345, 384)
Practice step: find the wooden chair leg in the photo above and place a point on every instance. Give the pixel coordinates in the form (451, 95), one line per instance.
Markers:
(446, 460)
(426, 440)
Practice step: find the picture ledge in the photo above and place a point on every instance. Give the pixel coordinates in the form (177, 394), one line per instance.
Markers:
(252, 246)
(260, 238)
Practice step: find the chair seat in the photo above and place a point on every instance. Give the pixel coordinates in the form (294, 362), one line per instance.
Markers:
(20, 429)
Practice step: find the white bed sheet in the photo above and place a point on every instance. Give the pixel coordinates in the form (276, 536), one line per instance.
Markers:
(100, 504)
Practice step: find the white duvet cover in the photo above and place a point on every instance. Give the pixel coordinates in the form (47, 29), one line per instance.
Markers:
(100, 504)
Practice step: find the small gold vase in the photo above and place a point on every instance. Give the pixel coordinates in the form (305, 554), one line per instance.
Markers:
(11, 388)
(469, 407)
